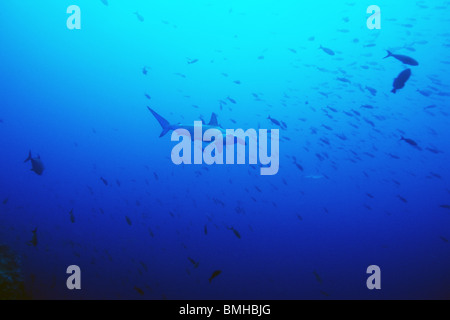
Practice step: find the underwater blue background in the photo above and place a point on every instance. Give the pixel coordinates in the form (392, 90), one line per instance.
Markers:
(361, 195)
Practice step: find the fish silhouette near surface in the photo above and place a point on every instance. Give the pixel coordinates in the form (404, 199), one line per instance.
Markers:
(327, 51)
(401, 80)
(140, 17)
(405, 59)
(36, 164)
(34, 241)
(72, 216)
(215, 274)
(411, 142)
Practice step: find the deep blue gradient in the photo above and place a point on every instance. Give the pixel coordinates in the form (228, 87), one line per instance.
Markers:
(77, 98)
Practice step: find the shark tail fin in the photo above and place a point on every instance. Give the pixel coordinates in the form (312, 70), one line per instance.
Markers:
(213, 121)
(29, 156)
(163, 123)
(389, 54)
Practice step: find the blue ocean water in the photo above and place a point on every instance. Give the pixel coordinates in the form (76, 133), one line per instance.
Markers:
(349, 192)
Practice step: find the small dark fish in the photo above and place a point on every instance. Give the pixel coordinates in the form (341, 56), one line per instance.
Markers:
(206, 230)
(401, 79)
(317, 277)
(327, 51)
(72, 217)
(367, 106)
(372, 91)
(36, 164)
(231, 100)
(144, 70)
(292, 50)
(139, 290)
(237, 82)
(140, 18)
(326, 294)
(236, 233)
(105, 2)
(156, 176)
(5, 201)
(434, 150)
(147, 96)
(274, 121)
(405, 59)
(332, 109)
(443, 239)
(393, 156)
(425, 93)
(118, 183)
(34, 240)
(402, 199)
(343, 80)
(193, 262)
(215, 274)
(128, 220)
(192, 61)
(409, 141)
(104, 181)
(445, 206)
(369, 122)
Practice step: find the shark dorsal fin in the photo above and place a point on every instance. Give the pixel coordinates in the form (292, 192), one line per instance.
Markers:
(213, 121)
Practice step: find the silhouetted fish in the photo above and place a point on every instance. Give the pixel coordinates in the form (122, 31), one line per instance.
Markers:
(140, 18)
(231, 100)
(409, 141)
(274, 121)
(36, 164)
(34, 240)
(195, 263)
(105, 182)
(400, 81)
(72, 217)
(139, 290)
(215, 274)
(405, 59)
(327, 51)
